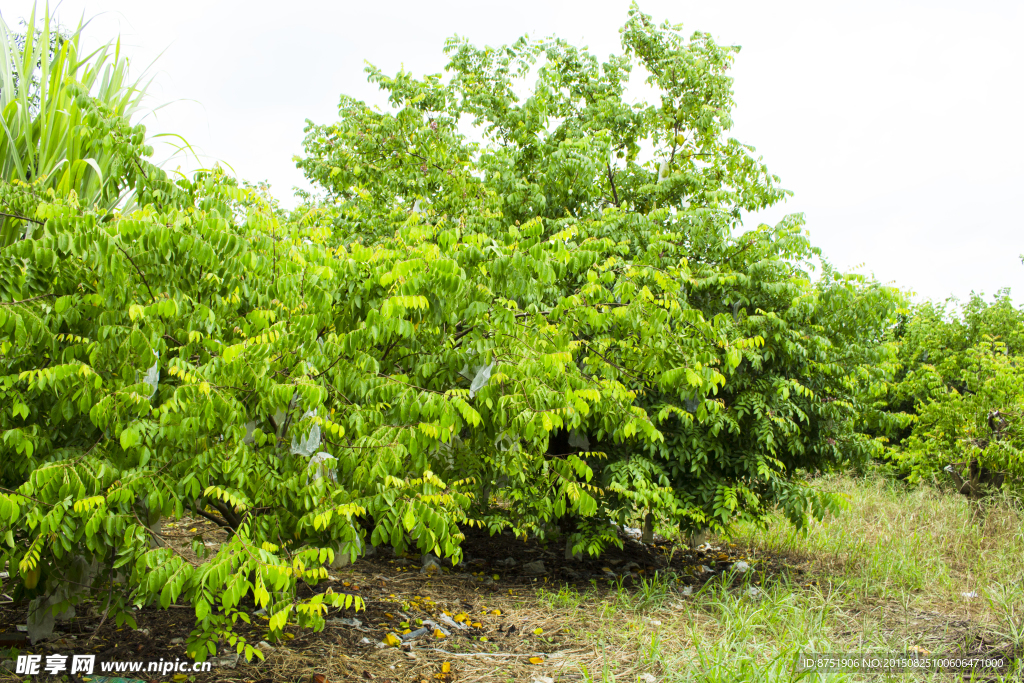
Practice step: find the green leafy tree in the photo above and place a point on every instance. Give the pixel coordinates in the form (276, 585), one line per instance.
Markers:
(623, 223)
(961, 387)
(563, 315)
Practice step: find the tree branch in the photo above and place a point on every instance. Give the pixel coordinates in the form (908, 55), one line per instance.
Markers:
(25, 301)
(213, 518)
(151, 295)
(21, 218)
(611, 179)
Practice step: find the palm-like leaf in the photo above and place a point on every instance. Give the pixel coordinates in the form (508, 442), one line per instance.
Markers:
(65, 118)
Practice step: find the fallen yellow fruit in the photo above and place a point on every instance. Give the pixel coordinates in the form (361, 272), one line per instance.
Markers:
(392, 640)
(536, 660)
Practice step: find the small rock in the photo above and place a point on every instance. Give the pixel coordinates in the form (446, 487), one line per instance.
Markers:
(365, 641)
(345, 621)
(430, 564)
(381, 645)
(654, 622)
(754, 592)
(260, 612)
(264, 646)
(144, 631)
(508, 562)
(410, 655)
(969, 595)
(177, 641)
(230, 661)
(630, 567)
(741, 566)
(543, 679)
(535, 567)
(704, 569)
(648, 678)
(687, 590)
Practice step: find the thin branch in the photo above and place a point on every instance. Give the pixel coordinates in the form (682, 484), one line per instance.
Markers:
(611, 179)
(328, 368)
(25, 301)
(750, 243)
(21, 218)
(151, 295)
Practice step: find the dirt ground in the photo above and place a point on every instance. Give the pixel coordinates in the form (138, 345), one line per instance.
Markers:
(491, 595)
(504, 617)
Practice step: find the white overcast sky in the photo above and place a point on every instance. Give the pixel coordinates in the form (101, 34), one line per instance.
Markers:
(897, 124)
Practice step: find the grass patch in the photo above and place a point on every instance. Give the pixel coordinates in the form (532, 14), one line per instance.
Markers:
(899, 571)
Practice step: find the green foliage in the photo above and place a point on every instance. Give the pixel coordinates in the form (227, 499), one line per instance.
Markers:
(564, 315)
(962, 387)
(616, 229)
(96, 446)
(66, 121)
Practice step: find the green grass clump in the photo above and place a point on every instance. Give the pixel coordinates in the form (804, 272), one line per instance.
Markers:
(888, 575)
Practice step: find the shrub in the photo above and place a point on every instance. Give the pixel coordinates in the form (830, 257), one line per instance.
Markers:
(962, 388)
(566, 310)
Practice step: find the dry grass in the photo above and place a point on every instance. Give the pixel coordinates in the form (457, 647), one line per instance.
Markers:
(887, 576)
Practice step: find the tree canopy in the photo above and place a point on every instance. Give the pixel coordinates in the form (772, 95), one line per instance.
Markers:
(960, 390)
(558, 319)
